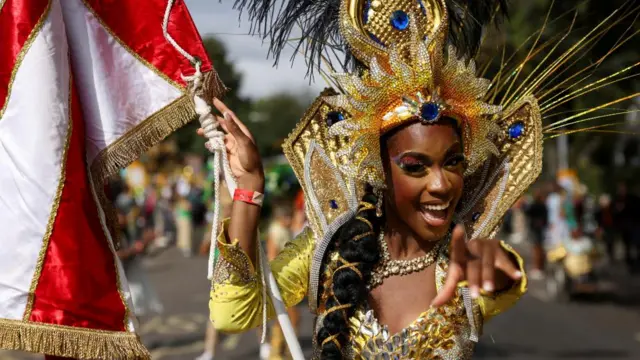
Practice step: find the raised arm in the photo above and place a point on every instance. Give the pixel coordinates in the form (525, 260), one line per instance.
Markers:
(246, 167)
(236, 302)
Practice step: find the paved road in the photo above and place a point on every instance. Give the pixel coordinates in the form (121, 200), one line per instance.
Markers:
(533, 330)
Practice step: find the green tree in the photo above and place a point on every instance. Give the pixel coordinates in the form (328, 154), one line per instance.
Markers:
(273, 118)
(591, 153)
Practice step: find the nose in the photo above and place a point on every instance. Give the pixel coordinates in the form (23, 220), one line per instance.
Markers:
(438, 185)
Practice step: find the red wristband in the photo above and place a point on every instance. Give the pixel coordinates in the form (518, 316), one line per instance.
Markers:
(248, 196)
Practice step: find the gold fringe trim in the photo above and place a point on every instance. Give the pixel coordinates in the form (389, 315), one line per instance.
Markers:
(71, 342)
(138, 140)
(141, 138)
(133, 144)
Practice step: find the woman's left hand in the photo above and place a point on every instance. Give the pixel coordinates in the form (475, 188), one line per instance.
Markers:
(479, 262)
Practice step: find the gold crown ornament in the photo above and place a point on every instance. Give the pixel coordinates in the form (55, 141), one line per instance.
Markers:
(408, 80)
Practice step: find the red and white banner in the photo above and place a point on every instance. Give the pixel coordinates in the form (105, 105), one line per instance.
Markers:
(86, 86)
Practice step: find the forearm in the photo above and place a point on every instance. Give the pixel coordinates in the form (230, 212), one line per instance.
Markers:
(245, 218)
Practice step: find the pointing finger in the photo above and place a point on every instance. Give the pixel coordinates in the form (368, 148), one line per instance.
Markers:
(448, 290)
(504, 263)
(458, 253)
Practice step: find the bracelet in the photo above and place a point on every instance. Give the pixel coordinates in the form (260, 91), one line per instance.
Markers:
(248, 196)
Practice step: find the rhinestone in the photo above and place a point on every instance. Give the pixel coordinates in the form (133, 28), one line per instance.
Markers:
(516, 130)
(334, 117)
(475, 217)
(400, 20)
(333, 204)
(430, 111)
(375, 4)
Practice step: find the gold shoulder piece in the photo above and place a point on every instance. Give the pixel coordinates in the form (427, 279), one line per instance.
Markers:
(330, 197)
(492, 189)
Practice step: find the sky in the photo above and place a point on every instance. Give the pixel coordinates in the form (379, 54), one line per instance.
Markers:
(249, 54)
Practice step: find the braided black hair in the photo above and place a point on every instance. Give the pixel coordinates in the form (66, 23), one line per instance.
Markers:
(359, 252)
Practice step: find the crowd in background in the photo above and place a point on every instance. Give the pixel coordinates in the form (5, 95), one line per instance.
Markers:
(164, 212)
(565, 215)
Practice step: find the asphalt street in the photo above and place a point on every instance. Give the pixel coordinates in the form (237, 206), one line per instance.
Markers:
(605, 328)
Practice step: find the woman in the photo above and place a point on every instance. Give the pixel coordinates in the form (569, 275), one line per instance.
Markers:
(400, 241)
(407, 173)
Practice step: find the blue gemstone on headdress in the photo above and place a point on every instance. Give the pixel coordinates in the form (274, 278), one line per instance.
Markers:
(516, 130)
(400, 20)
(429, 111)
(365, 12)
(475, 216)
(334, 117)
(424, 9)
(333, 204)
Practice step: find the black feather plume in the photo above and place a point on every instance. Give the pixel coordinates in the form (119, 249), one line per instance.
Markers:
(319, 36)
(469, 18)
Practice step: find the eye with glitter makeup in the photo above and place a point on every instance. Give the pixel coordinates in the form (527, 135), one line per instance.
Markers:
(412, 164)
(455, 160)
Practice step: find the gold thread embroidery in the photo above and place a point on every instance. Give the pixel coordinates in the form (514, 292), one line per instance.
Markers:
(23, 52)
(54, 209)
(71, 342)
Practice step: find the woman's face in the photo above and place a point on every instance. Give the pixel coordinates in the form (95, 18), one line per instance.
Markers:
(424, 166)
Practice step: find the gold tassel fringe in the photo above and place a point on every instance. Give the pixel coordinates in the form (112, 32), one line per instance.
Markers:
(71, 342)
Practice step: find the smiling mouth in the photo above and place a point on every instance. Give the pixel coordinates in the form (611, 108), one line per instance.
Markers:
(435, 215)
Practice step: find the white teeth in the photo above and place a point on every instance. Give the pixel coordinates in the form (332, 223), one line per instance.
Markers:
(435, 207)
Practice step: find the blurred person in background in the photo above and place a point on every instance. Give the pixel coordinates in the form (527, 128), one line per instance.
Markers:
(163, 216)
(627, 215)
(278, 235)
(518, 221)
(579, 259)
(557, 229)
(184, 224)
(606, 225)
(136, 233)
(198, 210)
(538, 217)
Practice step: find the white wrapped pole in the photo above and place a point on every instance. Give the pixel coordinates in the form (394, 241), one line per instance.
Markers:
(215, 144)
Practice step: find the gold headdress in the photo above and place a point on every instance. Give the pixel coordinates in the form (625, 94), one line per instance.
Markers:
(410, 60)
(406, 80)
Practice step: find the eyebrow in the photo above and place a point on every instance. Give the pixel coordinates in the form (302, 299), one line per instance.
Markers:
(425, 157)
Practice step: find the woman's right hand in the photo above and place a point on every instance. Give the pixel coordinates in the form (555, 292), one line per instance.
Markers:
(242, 151)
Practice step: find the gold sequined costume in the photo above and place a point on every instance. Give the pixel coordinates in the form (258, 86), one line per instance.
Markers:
(408, 69)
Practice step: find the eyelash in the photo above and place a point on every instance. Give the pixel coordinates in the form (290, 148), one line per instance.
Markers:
(457, 158)
(415, 166)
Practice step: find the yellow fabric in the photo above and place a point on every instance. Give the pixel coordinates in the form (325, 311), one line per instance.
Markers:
(236, 299)
(235, 303)
(491, 306)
